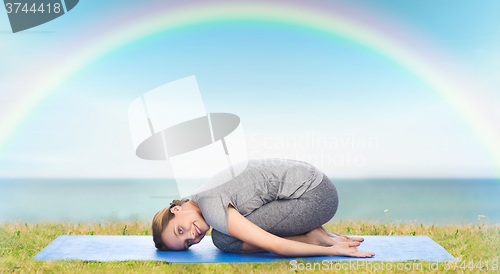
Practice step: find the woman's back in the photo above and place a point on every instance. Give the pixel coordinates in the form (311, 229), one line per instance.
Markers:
(261, 182)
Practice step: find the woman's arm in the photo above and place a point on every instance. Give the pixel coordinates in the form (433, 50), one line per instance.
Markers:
(248, 248)
(316, 236)
(241, 228)
(304, 238)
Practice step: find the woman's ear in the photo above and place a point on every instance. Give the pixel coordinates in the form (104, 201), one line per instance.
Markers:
(175, 209)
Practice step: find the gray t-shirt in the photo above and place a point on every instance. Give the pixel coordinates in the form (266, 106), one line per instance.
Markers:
(261, 182)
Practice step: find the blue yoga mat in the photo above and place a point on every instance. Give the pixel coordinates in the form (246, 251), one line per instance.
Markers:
(122, 248)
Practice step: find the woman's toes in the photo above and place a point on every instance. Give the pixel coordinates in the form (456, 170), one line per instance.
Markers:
(359, 239)
(340, 240)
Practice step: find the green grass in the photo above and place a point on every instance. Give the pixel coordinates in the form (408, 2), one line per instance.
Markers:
(19, 242)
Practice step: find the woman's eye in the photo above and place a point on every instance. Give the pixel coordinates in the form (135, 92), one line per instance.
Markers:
(180, 231)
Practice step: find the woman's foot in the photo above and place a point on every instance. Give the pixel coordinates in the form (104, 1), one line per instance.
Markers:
(318, 236)
(341, 238)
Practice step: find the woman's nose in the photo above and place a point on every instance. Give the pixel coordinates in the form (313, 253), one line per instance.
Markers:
(193, 234)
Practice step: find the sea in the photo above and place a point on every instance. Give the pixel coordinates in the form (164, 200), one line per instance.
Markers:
(427, 201)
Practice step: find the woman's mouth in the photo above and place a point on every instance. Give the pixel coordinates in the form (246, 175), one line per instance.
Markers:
(197, 229)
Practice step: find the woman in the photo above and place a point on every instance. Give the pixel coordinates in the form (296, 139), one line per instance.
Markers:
(273, 205)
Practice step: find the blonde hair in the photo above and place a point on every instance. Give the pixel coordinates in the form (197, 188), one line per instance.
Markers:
(161, 220)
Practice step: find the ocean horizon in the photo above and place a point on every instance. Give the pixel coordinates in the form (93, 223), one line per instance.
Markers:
(428, 201)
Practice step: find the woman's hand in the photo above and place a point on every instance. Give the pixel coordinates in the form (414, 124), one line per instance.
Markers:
(350, 252)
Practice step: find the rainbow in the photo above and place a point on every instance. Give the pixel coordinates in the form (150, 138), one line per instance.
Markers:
(312, 16)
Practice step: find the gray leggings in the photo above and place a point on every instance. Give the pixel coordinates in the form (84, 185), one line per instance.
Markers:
(288, 217)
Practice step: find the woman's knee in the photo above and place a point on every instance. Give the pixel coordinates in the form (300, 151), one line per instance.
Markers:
(325, 199)
(315, 208)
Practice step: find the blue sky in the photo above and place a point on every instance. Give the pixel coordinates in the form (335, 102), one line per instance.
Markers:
(286, 83)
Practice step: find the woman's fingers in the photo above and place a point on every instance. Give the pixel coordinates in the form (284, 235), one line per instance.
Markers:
(351, 244)
(362, 254)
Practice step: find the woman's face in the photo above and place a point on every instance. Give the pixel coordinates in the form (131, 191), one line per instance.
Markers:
(187, 228)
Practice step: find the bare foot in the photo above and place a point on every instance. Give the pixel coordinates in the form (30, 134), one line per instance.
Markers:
(341, 238)
(318, 236)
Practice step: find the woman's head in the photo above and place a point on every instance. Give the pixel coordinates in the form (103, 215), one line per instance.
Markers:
(178, 226)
